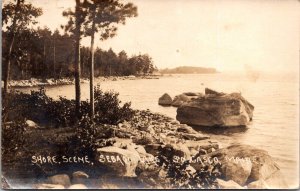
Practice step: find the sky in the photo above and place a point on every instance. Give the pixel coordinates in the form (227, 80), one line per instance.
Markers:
(229, 35)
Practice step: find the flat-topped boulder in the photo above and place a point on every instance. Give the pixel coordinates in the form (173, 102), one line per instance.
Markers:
(216, 109)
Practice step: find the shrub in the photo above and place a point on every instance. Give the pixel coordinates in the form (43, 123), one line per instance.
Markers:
(12, 137)
(108, 109)
(89, 136)
(42, 109)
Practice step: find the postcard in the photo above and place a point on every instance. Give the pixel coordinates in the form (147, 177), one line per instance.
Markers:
(126, 94)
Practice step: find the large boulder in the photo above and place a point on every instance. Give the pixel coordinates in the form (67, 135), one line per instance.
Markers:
(235, 160)
(228, 184)
(165, 100)
(216, 110)
(78, 186)
(48, 186)
(237, 171)
(79, 177)
(60, 179)
(121, 162)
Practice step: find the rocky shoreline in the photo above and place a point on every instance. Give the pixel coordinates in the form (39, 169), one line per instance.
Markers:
(34, 82)
(151, 135)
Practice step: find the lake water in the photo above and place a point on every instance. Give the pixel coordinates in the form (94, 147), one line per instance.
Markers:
(275, 125)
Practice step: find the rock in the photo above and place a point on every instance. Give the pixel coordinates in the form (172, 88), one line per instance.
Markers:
(129, 145)
(79, 177)
(153, 149)
(228, 184)
(202, 146)
(165, 100)
(80, 174)
(140, 149)
(77, 186)
(62, 179)
(180, 99)
(186, 129)
(276, 181)
(192, 94)
(178, 149)
(120, 161)
(31, 124)
(4, 182)
(195, 137)
(236, 171)
(213, 92)
(185, 98)
(143, 139)
(48, 186)
(226, 110)
(259, 184)
(151, 130)
(263, 166)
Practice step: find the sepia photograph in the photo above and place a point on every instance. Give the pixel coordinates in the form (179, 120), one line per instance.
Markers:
(150, 94)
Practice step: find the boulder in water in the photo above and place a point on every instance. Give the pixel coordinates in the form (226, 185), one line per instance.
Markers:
(216, 109)
(165, 100)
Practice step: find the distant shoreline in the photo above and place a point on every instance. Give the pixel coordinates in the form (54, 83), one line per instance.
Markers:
(34, 82)
(189, 70)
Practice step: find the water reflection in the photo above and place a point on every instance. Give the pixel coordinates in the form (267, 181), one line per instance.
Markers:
(217, 130)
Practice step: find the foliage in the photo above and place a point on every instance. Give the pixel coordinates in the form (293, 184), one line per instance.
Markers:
(26, 14)
(44, 110)
(43, 54)
(89, 136)
(104, 15)
(182, 175)
(108, 109)
(12, 137)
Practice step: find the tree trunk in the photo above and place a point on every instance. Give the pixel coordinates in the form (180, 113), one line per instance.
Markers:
(44, 61)
(13, 28)
(77, 59)
(54, 59)
(92, 62)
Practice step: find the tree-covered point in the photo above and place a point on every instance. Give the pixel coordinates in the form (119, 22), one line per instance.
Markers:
(43, 54)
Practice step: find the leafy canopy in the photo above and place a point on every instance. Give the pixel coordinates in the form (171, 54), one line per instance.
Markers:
(105, 14)
(24, 15)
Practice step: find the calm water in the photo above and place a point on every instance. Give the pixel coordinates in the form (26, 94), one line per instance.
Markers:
(275, 125)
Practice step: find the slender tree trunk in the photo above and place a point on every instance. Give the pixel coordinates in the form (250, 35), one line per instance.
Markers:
(77, 59)
(54, 59)
(13, 28)
(92, 62)
(44, 61)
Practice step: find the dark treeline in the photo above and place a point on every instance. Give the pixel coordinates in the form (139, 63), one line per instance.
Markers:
(41, 53)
